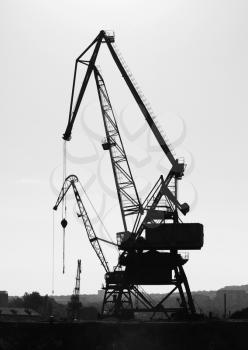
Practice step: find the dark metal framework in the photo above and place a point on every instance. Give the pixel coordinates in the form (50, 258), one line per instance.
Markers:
(126, 189)
(160, 206)
(74, 306)
(71, 181)
(104, 37)
(120, 295)
(77, 286)
(117, 301)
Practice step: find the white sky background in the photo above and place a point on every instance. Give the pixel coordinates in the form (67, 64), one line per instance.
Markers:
(190, 59)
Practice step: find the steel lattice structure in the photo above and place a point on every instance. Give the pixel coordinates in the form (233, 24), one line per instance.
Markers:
(155, 258)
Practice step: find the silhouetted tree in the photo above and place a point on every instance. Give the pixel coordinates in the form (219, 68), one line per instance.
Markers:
(44, 305)
(16, 302)
(241, 314)
(33, 301)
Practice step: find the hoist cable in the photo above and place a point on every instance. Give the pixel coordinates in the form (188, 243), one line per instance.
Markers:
(63, 250)
(97, 215)
(64, 201)
(53, 247)
(64, 177)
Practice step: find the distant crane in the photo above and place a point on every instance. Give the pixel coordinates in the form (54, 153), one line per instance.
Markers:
(74, 306)
(77, 286)
(149, 252)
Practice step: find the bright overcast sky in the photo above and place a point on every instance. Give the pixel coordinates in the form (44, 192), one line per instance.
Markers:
(190, 59)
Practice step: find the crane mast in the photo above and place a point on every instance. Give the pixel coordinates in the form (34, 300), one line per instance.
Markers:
(71, 181)
(126, 189)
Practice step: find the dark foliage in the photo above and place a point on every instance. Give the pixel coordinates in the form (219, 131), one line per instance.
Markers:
(241, 314)
(44, 305)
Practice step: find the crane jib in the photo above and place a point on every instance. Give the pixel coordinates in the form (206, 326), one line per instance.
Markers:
(102, 37)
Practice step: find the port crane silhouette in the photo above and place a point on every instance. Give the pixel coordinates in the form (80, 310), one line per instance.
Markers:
(74, 306)
(149, 250)
(69, 182)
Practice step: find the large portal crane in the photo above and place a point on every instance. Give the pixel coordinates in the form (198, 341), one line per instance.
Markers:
(144, 259)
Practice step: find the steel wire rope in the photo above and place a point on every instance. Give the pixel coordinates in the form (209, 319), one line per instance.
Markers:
(64, 208)
(53, 249)
(97, 215)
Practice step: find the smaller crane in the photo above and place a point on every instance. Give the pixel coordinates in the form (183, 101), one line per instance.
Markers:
(74, 306)
(71, 181)
(117, 297)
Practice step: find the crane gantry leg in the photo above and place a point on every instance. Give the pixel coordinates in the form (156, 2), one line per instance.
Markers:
(117, 302)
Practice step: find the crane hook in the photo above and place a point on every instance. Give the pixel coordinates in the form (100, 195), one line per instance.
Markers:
(64, 223)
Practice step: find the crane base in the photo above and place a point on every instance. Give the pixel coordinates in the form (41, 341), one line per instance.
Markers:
(120, 297)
